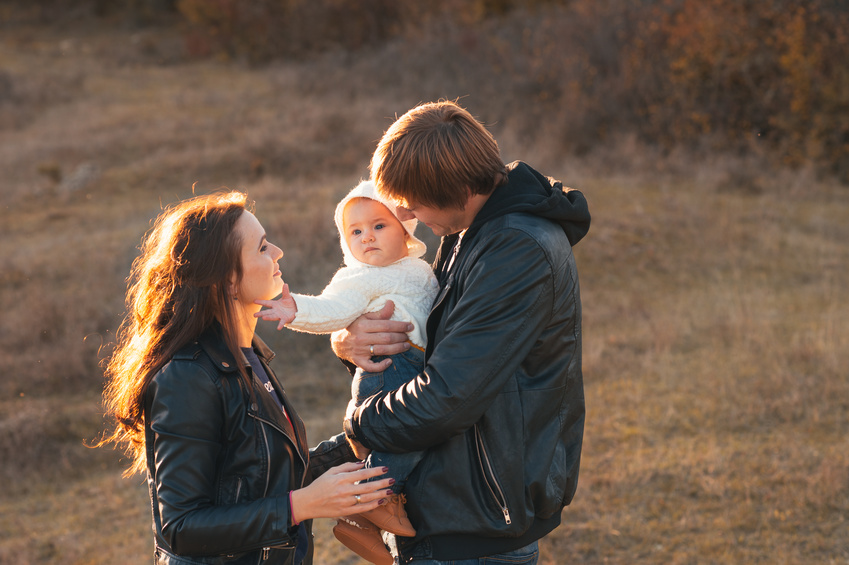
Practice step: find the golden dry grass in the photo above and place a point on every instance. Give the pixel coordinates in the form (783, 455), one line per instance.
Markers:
(715, 313)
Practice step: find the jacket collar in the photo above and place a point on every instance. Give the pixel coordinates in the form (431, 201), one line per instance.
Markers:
(212, 342)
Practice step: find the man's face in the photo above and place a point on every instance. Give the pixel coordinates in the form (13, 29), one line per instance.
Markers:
(442, 221)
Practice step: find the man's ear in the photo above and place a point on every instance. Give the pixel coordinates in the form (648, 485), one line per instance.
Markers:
(469, 196)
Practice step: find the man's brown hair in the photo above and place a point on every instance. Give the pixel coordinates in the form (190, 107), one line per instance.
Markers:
(436, 155)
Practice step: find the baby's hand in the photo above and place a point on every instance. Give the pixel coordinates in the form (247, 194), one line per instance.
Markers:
(283, 309)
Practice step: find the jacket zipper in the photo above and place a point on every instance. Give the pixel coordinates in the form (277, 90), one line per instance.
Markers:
(267, 550)
(488, 473)
(279, 429)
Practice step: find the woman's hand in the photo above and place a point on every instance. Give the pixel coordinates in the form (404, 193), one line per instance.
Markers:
(339, 492)
(372, 334)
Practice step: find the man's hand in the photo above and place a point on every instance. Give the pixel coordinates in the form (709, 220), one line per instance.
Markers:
(359, 449)
(372, 334)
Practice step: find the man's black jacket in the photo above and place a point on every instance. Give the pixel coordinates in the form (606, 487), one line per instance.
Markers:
(500, 404)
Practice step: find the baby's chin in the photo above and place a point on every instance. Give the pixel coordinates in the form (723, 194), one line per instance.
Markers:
(379, 261)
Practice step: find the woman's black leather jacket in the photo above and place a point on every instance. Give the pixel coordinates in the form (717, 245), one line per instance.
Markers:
(222, 458)
(500, 404)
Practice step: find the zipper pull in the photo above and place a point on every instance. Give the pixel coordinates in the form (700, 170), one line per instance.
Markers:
(265, 552)
(507, 515)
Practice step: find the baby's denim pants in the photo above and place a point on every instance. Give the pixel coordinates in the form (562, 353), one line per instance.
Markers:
(405, 367)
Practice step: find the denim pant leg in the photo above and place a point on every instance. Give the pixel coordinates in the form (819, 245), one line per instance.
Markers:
(528, 555)
(405, 367)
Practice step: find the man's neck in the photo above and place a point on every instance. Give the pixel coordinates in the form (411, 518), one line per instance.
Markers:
(473, 206)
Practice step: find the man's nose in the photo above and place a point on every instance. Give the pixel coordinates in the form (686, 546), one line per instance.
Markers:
(403, 213)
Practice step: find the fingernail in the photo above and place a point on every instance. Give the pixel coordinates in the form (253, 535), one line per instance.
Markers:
(391, 481)
(385, 469)
(381, 502)
(389, 493)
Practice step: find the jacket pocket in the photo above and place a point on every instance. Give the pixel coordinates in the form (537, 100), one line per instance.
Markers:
(490, 478)
(232, 490)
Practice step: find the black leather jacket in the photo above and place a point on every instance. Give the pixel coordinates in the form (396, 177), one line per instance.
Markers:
(222, 458)
(500, 404)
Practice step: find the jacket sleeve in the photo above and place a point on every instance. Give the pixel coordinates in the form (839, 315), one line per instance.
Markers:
(506, 300)
(329, 453)
(187, 419)
(344, 299)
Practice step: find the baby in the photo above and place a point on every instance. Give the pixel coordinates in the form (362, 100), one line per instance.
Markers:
(382, 262)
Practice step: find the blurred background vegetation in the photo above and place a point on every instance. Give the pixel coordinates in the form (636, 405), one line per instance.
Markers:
(742, 75)
(711, 138)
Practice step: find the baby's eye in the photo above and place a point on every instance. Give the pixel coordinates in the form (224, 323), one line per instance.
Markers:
(264, 248)
(379, 226)
(356, 232)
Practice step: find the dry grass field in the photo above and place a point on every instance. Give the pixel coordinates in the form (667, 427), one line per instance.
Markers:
(716, 316)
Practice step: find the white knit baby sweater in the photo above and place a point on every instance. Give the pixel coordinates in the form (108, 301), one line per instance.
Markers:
(356, 290)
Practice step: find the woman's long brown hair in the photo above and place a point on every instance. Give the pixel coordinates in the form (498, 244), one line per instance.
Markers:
(177, 288)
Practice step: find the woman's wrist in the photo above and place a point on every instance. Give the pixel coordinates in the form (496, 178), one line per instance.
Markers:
(292, 514)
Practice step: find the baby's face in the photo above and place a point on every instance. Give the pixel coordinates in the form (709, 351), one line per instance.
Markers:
(374, 234)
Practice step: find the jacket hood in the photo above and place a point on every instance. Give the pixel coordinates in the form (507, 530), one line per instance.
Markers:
(530, 192)
(366, 189)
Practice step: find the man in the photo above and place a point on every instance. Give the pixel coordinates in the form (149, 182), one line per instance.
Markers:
(499, 406)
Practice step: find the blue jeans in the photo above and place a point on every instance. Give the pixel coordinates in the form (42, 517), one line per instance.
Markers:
(528, 555)
(405, 367)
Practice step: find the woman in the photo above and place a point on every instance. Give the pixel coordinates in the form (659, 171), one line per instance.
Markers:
(198, 409)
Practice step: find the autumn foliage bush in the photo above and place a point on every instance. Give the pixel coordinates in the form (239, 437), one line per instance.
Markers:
(741, 75)
(742, 72)
(261, 30)
(769, 77)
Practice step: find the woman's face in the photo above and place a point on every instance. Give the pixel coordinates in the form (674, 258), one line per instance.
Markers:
(261, 277)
